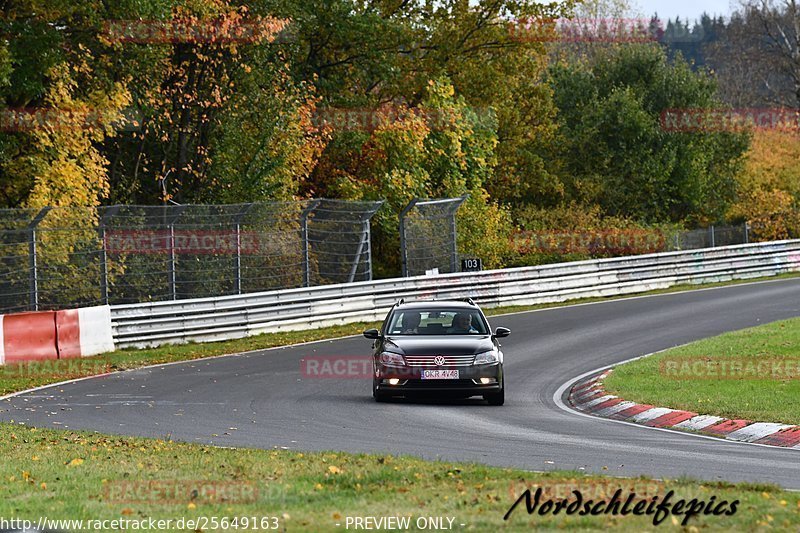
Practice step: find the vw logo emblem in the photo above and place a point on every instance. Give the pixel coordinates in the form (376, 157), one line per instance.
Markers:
(439, 360)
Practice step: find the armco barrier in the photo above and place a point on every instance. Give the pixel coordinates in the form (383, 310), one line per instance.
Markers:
(228, 317)
(47, 335)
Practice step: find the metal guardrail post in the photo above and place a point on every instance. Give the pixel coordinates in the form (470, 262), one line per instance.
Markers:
(304, 236)
(238, 261)
(110, 212)
(711, 233)
(33, 271)
(403, 251)
(746, 232)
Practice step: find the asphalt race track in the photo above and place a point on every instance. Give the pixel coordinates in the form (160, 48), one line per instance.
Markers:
(261, 400)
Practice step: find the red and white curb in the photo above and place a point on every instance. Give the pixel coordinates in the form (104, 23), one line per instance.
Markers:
(590, 397)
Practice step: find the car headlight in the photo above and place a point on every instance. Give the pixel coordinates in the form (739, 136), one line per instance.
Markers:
(391, 359)
(486, 358)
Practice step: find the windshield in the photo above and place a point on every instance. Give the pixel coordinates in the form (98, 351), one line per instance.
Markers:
(437, 322)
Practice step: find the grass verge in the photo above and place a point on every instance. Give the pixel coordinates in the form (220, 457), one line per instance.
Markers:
(18, 377)
(79, 475)
(750, 374)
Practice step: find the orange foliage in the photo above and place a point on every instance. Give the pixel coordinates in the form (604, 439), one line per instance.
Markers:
(770, 186)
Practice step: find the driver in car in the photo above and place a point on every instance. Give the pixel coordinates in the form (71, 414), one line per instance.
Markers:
(411, 323)
(462, 325)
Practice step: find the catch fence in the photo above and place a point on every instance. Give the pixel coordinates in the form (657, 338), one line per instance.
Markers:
(53, 258)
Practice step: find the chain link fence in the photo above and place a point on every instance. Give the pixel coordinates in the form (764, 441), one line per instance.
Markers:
(428, 236)
(558, 246)
(65, 257)
(710, 237)
(60, 257)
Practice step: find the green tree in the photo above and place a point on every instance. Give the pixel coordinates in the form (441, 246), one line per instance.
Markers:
(440, 149)
(616, 152)
(267, 143)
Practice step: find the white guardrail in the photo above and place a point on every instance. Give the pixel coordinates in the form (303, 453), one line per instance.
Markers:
(236, 316)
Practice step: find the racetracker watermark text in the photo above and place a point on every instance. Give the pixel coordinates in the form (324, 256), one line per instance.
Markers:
(50, 368)
(176, 491)
(733, 368)
(585, 30)
(610, 242)
(729, 120)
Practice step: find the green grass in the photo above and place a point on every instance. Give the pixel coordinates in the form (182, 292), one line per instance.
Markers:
(18, 377)
(674, 379)
(79, 475)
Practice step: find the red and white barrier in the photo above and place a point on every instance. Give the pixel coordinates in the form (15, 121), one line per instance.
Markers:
(68, 334)
(44, 335)
(96, 335)
(30, 336)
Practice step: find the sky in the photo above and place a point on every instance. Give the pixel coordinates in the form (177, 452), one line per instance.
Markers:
(691, 9)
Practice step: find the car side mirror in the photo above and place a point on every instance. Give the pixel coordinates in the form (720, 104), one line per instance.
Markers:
(502, 332)
(372, 334)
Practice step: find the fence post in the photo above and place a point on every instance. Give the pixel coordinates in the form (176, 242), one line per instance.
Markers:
(178, 209)
(364, 242)
(110, 212)
(369, 249)
(173, 291)
(357, 258)
(403, 251)
(746, 232)
(238, 261)
(711, 231)
(33, 274)
(454, 255)
(304, 236)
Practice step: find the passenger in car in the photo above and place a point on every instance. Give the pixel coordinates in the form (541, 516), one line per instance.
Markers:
(462, 324)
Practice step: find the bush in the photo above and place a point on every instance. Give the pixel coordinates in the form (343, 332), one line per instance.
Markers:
(573, 232)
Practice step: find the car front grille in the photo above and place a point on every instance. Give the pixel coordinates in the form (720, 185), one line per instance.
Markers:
(429, 361)
(423, 384)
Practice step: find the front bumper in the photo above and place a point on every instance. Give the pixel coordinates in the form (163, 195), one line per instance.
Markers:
(410, 381)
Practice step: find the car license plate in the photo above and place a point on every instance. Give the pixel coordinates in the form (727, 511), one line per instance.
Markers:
(439, 374)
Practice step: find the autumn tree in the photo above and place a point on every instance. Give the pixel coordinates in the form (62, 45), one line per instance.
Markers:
(201, 96)
(57, 108)
(769, 186)
(442, 148)
(222, 120)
